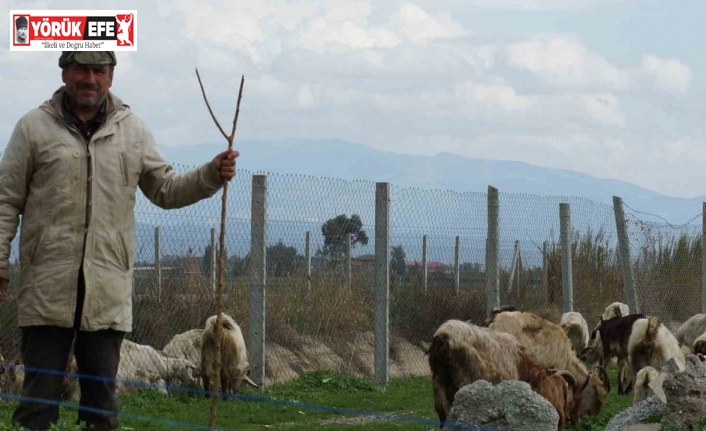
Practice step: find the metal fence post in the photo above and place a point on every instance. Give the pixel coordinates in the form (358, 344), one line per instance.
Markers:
(457, 266)
(258, 280)
(307, 258)
(492, 253)
(624, 254)
(349, 270)
(545, 270)
(703, 259)
(513, 265)
(425, 269)
(382, 282)
(566, 268)
(158, 262)
(213, 261)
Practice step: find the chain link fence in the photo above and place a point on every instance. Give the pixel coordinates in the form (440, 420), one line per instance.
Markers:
(319, 305)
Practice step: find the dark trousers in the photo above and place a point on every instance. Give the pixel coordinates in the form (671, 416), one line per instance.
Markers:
(48, 348)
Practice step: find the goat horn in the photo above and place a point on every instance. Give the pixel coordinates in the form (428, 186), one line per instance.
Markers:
(567, 376)
(249, 381)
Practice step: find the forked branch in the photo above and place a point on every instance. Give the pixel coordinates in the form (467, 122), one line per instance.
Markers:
(221, 258)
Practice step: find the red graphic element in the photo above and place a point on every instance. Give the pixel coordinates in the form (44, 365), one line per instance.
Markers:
(125, 29)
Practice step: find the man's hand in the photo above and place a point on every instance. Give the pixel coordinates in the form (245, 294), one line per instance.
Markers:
(225, 164)
(4, 284)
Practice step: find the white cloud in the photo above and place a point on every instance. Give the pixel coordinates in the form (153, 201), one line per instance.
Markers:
(678, 150)
(604, 108)
(322, 35)
(405, 75)
(563, 61)
(670, 75)
(501, 95)
(540, 5)
(418, 26)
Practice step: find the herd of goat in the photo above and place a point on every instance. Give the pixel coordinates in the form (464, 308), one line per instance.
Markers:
(565, 363)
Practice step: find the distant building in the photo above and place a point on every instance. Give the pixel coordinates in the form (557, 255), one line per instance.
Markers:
(432, 266)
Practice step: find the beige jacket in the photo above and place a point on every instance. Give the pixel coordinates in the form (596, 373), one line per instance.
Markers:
(69, 192)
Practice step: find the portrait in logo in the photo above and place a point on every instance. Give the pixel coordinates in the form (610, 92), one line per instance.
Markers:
(21, 30)
(124, 26)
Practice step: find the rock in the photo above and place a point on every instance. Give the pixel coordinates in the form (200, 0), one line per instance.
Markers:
(642, 427)
(686, 395)
(636, 414)
(511, 405)
(685, 391)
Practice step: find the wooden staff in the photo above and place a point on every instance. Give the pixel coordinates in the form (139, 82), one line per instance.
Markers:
(222, 247)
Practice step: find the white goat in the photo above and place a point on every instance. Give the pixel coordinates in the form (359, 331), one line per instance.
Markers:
(693, 330)
(648, 383)
(233, 356)
(616, 309)
(576, 328)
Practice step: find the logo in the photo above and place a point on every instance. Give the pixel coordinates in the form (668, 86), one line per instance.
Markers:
(66, 30)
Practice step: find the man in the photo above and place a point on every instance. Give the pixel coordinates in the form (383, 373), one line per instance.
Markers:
(71, 170)
(21, 30)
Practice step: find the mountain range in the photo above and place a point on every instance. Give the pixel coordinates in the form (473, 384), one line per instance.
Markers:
(440, 196)
(444, 171)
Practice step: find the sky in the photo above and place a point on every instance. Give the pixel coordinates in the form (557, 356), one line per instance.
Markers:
(611, 88)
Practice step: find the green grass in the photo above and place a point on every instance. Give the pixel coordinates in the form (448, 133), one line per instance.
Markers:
(292, 406)
(405, 397)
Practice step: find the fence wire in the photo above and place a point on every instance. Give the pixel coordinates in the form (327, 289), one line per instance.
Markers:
(321, 316)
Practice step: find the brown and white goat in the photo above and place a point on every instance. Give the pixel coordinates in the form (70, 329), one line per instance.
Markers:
(576, 328)
(462, 353)
(644, 341)
(233, 356)
(692, 334)
(552, 348)
(610, 340)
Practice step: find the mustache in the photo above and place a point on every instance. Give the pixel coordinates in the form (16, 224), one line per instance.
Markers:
(88, 87)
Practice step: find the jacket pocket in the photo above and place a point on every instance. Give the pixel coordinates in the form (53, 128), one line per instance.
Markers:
(126, 253)
(37, 245)
(123, 160)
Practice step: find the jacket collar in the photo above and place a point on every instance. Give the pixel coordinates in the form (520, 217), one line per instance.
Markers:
(115, 109)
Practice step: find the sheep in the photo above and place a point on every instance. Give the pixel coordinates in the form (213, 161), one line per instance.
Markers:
(461, 353)
(608, 340)
(142, 365)
(576, 328)
(186, 345)
(616, 309)
(552, 348)
(233, 356)
(648, 383)
(691, 331)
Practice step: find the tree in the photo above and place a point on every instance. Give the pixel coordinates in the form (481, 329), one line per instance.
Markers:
(398, 266)
(336, 230)
(282, 260)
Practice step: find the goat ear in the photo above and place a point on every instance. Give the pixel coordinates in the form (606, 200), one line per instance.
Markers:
(603, 375)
